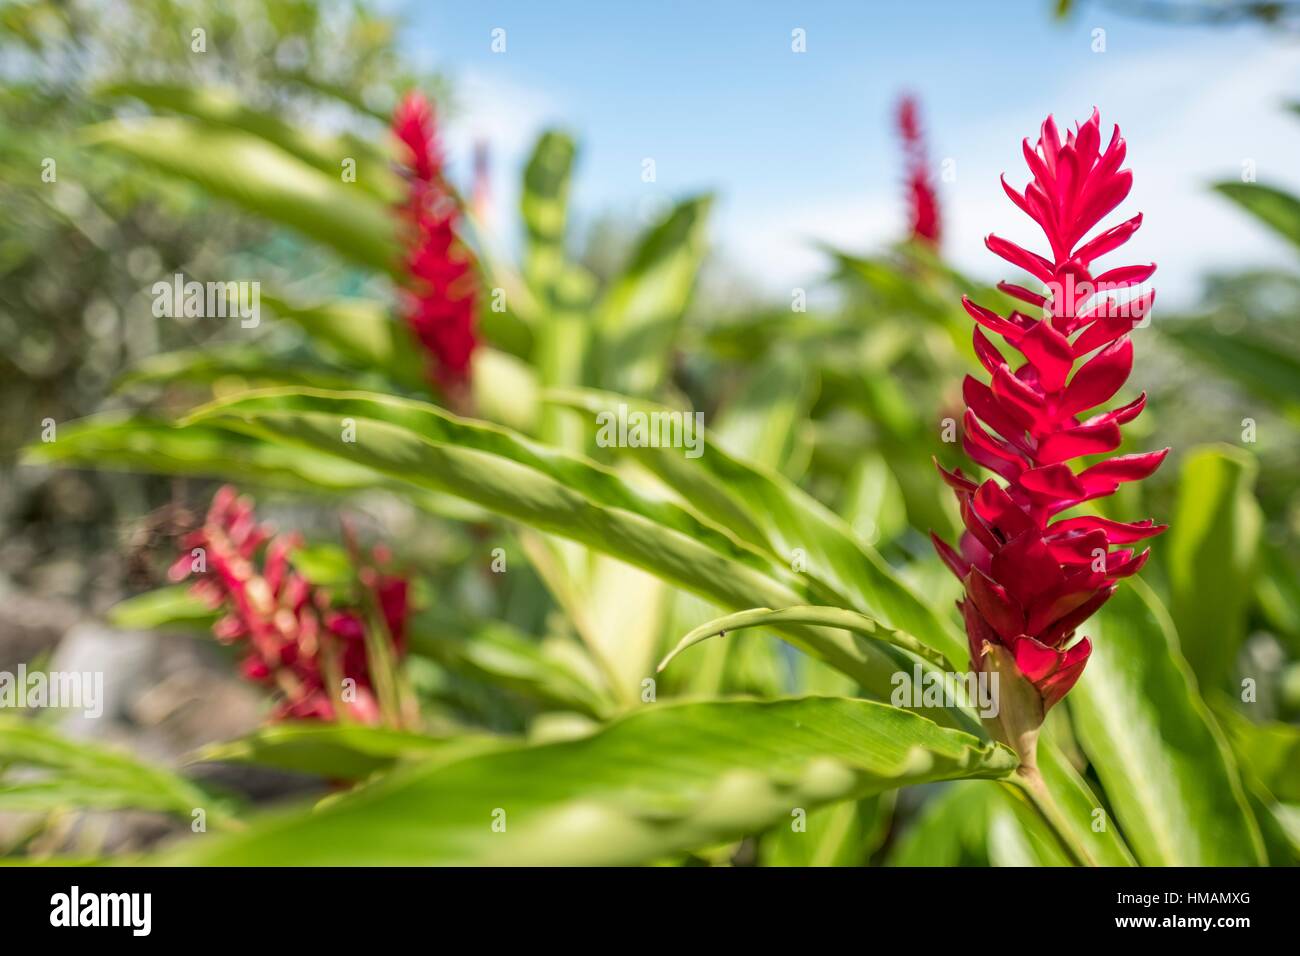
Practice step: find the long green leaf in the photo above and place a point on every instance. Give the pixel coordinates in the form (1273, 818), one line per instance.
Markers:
(167, 607)
(785, 522)
(1259, 366)
(61, 772)
(641, 310)
(263, 179)
(494, 652)
(822, 616)
(360, 333)
(1213, 544)
(220, 107)
(1162, 760)
(553, 492)
(665, 779)
(120, 443)
(335, 751)
(1275, 208)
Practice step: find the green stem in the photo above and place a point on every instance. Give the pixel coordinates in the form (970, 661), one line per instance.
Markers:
(1031, 781)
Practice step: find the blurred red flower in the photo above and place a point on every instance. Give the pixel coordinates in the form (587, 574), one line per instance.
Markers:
(923, 202)
(291, 636)
(438, 298)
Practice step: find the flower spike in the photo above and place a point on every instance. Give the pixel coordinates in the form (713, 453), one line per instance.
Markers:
(1030, 581)
(923, 202)
(438, 295)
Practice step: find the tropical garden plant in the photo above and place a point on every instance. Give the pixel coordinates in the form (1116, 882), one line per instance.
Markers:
(520, 643)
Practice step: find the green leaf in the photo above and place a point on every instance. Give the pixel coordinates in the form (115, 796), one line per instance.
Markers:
(166, 607)
(844, 834)
(360, 333)
(336, 751)
(214, 106)
(263, 179)
(544, 205)
(1277, 209)
(1270, 750)
(1277, 592)
(1257, 365)
(1079, 806)
(504, 658)
(952, 829)
(555, 492)
(1162, 760)
(641, 310)
(762, 424)
(665, 779)
(71, 773)
(770, 513)
(133, 444)
(204, 366)
(1212, 546)
(821, 616)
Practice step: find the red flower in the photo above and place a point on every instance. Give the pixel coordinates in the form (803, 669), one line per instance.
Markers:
(438, 301)
(290, 635)
(1031, 580)
(923, 203)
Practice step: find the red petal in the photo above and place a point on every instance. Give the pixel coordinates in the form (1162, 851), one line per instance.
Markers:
(1056, 481)
(1105, 476)
(1059, 684)
(1023, 294)
(1065, 625)
(1031, 262)
(955, 479)
(1026, 568)
(1082, 440)
(1053, 607)
(988, 451)
(1051, 353)
(991, 320)
(1109, 240)
(995, 506)
(980, 399)
(955, 562)
(1100, 378)
(994, 605)
(987, 352)
(1117, 532)
(1036, 661)
(1124, 276)
(1020, 400)
(1077, 549)
(1122, 415)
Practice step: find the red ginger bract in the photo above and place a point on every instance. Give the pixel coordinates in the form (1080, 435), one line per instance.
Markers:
(923, 203)
(1031, 581)
(438, 301)
(290, 635)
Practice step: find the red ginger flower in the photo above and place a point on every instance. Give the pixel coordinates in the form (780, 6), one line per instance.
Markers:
(438, 302)
(1031, 581)
(290, 635)
(923, 203)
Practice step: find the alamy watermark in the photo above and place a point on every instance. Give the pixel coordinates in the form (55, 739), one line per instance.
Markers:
(208, 300)
(75, 690)
(1134, 303)
(628, 428)
(75, 908)
(931, 688)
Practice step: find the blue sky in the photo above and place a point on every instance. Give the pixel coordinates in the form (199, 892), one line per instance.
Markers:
(800, 146)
